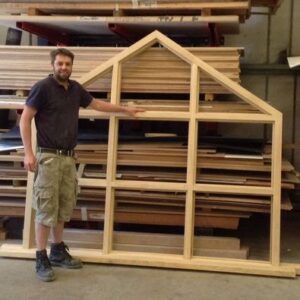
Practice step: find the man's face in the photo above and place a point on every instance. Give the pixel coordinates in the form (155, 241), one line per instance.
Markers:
(62, 67)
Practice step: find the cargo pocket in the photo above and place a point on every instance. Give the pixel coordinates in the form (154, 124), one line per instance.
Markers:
(43, 199)
(47, 171)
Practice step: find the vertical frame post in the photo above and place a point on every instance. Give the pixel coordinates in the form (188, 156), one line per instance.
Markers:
(276, 189)
(191, 163)
(111, 161)
(29, 229)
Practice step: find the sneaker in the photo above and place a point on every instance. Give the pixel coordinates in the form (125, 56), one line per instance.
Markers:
(60, 257)
(43, 267)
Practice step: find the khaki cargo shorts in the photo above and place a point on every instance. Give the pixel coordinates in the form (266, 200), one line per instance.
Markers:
(55, 188)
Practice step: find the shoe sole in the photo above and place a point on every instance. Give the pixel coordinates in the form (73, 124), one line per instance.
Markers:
(46, 279)
(57, 264)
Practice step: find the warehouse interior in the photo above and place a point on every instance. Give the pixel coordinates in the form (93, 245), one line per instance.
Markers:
(196, 185)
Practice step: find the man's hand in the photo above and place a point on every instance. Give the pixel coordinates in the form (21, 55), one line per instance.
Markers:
(30, 163)
(132, 111)
(103, 106)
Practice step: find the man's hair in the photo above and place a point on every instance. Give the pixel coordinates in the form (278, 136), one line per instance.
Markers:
(61, 51)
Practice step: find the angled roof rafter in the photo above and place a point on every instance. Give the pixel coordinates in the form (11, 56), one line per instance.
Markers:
(133, 50)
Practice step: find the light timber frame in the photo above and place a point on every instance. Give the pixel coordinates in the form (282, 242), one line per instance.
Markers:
(267, 115)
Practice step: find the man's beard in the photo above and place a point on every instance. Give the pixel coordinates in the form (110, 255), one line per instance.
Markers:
(62, 78)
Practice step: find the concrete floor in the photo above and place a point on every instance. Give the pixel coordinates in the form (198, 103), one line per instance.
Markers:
(18, 280)
(103, 282)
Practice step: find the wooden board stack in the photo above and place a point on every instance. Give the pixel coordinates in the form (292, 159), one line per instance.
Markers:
(138, 7)
(22, 66)
(129, 7)
(161, 162)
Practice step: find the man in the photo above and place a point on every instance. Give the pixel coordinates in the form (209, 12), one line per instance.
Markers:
(54, 103)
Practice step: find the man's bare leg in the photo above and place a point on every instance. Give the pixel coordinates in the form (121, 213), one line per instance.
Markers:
(41, 236)
(57, 232)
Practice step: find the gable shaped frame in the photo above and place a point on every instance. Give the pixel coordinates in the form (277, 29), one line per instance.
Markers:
(267, 115)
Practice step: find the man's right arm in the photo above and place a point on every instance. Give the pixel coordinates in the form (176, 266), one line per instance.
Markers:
(25, 129)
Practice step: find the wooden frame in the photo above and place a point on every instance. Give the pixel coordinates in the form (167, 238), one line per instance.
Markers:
(268, 115)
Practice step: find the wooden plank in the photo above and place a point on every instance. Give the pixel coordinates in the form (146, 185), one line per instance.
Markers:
(235, 117)
(244, 190)
(158, 243)
(171, 240)
(149, 185)
(191, 163)
(111, 161)
(163, 260)
(275, 185)
(28, 231)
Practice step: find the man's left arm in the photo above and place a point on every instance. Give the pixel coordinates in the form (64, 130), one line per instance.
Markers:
(103, 106)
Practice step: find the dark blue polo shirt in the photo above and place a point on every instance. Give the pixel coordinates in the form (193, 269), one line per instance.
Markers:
(57, 112)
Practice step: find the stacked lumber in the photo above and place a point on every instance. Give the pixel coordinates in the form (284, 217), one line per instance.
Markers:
(71, 22)
(174, 155)
(157, 243)
(129, 7)
(154, 71)
(137, 8)
(158, 161)
(163, 157)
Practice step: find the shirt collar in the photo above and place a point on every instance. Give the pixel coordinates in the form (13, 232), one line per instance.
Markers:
(51, 76)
